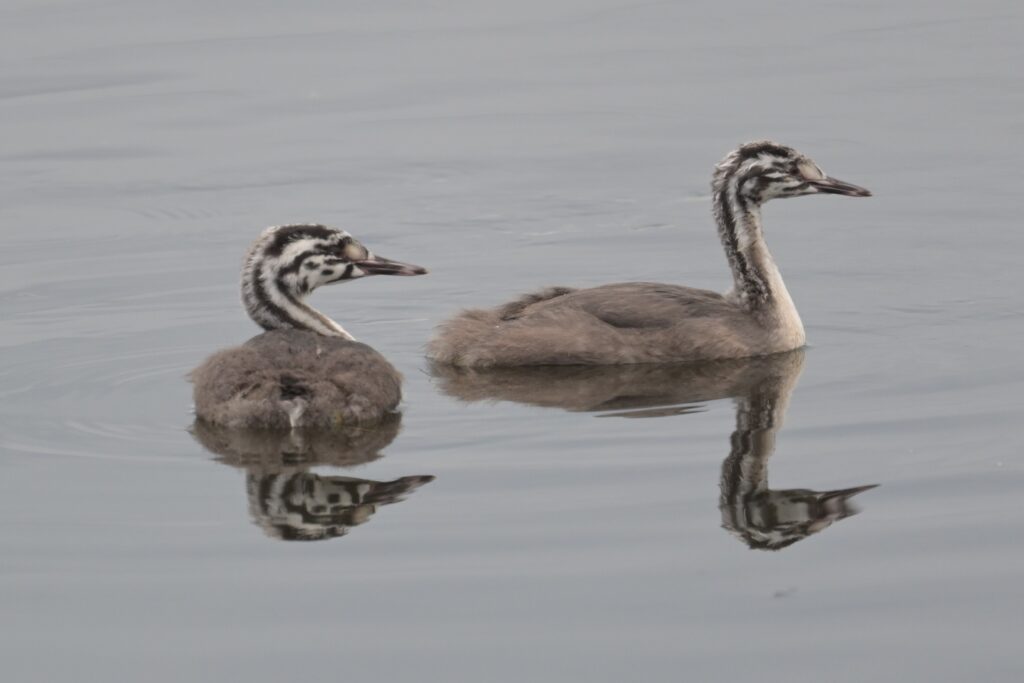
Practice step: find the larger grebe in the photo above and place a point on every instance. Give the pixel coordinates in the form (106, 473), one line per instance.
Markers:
(305, 370)
(644, 322)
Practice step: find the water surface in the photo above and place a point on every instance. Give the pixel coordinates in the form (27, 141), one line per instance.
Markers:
(591, 528)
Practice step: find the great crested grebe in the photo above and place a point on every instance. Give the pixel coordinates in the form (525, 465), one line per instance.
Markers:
(646, 322)
(305, 370)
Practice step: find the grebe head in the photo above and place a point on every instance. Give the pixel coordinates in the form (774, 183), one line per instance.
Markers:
(758, 171)
(287, 262)
(301, 258)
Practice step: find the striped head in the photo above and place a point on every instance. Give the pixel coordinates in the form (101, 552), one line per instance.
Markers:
(763, 170)
(287, 262)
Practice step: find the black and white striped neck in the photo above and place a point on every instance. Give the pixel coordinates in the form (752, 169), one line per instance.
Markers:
(273, 291)
(739, 227)
(740, 185)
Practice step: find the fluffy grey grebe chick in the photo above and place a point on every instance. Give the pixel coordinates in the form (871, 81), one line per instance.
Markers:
(305, 370)
(645, 322)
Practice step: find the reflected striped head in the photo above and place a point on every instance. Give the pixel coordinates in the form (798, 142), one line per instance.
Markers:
(287, 262)
(305, 506)
(758, 171)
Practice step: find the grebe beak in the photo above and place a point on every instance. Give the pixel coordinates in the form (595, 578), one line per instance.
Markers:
(833, 186)
(376, 265)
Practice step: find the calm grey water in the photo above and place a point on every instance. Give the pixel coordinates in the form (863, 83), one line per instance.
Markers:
(508, 146)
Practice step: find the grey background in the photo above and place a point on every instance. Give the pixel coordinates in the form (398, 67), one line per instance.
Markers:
(508, 146)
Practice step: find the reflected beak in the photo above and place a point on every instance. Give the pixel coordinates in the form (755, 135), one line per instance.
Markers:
(383, 266)
(846, 494)
(833, 186)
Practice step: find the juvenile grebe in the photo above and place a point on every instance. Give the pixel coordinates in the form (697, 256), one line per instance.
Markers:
(645, 322)
(305, 370)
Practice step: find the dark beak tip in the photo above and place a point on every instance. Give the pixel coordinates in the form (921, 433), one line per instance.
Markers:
(382, 266)
(835, 186)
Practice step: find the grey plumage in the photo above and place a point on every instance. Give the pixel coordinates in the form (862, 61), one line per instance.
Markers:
(643, 322)
(285, 378)
(305, 370)
(636, 322)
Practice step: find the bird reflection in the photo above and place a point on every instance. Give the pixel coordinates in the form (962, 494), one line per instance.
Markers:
(288, 501)
(761, 517)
